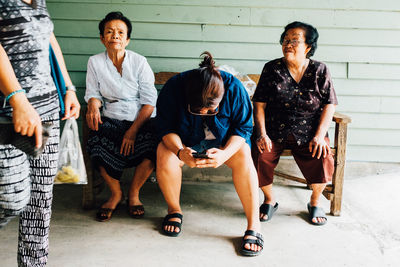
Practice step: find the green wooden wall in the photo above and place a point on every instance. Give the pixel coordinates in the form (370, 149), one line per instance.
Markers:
(359, 41)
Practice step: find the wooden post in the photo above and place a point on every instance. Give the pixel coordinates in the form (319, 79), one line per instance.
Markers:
(338, 175)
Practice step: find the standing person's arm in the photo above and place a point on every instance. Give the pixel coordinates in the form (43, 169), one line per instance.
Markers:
(25, 118)
(72, 106)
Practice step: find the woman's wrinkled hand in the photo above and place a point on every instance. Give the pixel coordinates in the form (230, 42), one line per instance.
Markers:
(128, 143)
(319, 147)
(264, 143)
(216, 157)
(72, 106)
(93, 116)
(25, 118)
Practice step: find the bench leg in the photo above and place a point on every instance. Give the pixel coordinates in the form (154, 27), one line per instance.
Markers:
(336, 205)
(338, 175)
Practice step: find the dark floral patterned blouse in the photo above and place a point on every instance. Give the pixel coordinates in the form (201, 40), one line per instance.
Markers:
(294, 108)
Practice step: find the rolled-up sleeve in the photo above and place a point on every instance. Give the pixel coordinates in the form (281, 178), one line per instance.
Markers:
(147, 91)
(92, 83)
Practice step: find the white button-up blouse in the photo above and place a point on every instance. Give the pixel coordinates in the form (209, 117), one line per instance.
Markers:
(123, 95)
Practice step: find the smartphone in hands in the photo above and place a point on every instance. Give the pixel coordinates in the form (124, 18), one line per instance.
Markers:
(200, 155)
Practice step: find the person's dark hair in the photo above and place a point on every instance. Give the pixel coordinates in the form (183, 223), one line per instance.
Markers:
(311, 35)
(115, 16)
(204, 87)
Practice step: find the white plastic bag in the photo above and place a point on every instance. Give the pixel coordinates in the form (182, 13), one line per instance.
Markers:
(248, 83)
(71, 166)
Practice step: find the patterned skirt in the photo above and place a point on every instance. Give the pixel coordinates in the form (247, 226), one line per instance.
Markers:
(104, 146)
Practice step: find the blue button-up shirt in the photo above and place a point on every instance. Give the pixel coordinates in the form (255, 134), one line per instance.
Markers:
(235, 116)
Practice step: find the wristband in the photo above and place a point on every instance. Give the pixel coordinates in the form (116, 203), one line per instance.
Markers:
(71, 88)
(11, 95)
(177, 153)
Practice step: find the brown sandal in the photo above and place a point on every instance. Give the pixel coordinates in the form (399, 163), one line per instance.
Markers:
(105, 214)
(134, 211)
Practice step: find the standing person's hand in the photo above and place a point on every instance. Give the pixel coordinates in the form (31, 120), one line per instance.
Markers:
(93, 116)
(319, 147)
(72, 106)
(264, 143)
(128, 143)
(25, 118)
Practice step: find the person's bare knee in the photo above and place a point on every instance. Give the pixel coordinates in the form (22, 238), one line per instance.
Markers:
(242, 156)
(147, 164)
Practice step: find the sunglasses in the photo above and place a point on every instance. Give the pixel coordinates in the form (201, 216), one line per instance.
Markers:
(209, 111)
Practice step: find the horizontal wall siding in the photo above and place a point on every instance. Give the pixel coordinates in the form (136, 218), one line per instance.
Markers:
(359, 41)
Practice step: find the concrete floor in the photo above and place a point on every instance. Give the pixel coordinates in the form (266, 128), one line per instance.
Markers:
(366, 234)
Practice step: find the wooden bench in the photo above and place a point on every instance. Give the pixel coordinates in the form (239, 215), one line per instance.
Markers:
(332, 192)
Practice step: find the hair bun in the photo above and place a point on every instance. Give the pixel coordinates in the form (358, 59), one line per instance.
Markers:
(208, 60)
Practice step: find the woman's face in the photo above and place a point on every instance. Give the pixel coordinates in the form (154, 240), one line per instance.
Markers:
(115, 36)
(294, 47)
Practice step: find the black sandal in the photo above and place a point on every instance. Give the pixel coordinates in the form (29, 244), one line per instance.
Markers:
(259, 242)
(269, 210)
(167, 222)
(316, 212)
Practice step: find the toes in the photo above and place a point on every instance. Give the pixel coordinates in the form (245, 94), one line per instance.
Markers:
(263, 216)
(172, 229)
(138, 212)
(318, 220)
(247, 246)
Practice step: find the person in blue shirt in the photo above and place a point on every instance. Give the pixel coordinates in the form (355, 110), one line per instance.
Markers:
(204, 120)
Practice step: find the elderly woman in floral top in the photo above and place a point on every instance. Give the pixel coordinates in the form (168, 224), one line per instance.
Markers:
(293, 106)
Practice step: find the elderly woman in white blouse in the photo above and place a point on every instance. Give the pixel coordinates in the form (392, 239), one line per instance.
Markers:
(121, 97)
